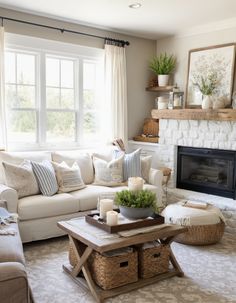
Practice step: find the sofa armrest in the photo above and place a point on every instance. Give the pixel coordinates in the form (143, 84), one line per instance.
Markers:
(10, 196)
(155, 178)
(14, 286)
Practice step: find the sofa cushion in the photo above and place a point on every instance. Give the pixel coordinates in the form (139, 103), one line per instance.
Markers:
(21, 178)
(46, 177)
(108, 173)
(150, 187)
(18, 157)
(88, 197)
(68, 178)
(39, 206)
(11, 247)
(83, 159)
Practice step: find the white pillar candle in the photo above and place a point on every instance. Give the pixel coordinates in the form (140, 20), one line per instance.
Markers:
(112, 217)
(105, 206)
(135, 183)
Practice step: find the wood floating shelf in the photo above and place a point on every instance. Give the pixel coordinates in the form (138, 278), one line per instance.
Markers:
(225, 114)
(159, 89)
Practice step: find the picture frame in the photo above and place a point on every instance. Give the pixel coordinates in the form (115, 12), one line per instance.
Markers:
(217, 59)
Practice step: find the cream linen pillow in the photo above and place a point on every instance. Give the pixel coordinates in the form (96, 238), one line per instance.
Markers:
(21, 178)
(83, 159)
(68, 178)
(108, 173)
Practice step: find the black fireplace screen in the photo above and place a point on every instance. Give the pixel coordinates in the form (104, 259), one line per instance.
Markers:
(206, 170)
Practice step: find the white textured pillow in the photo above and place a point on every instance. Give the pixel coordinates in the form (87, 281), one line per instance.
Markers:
(108, 173)
(68, 178)
(21, 178)
(145, 167)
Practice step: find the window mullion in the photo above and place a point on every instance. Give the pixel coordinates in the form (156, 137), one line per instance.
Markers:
(42, 100)
(60, 83)
(80, 102)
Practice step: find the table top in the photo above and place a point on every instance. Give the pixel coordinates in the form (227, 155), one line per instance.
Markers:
(102, 241)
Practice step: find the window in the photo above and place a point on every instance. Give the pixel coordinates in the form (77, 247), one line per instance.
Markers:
(21, 96)
(54, 99)
(60, 100)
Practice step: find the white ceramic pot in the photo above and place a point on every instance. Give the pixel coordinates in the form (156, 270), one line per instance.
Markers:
(163, 80)
(207, 102)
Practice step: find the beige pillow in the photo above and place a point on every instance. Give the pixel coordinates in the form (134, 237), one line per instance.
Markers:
(83, 159)
(145, 167)
(68, 178)
(108, 173)
(21, 178)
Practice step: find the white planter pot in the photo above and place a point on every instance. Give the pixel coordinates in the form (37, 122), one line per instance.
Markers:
(163, 80)
(207, 102)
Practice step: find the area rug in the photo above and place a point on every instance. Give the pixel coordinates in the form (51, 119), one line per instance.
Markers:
(210, 275)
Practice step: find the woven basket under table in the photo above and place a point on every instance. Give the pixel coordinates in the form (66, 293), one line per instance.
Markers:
(111, 272)
(202, 234)
(153, 260)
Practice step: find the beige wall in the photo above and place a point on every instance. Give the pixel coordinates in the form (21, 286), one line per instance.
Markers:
(138, 54)
(180, 46)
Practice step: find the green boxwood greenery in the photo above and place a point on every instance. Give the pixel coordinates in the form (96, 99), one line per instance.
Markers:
(137, 199)
(163, 64)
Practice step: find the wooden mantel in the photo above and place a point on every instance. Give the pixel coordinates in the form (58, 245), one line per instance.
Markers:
(225, 114)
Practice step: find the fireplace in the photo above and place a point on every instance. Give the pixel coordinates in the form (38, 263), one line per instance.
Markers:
(207, 170)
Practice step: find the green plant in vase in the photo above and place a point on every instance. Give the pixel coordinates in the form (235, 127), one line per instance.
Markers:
(207, 85)
(136, 204)
(163, 65)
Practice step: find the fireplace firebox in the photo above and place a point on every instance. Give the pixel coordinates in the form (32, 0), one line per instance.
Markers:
(207, 170)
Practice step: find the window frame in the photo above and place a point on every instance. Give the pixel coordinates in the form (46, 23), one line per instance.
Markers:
(46, 48)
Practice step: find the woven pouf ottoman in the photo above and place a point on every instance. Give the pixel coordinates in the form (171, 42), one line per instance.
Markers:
(205, 226)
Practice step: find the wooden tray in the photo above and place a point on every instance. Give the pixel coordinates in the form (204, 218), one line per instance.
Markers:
(156, 220)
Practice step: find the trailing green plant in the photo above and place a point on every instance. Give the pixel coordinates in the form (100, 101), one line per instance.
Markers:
(163, 64)
(136, 199)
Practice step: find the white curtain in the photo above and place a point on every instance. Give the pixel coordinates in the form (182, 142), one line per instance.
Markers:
(115, 118)
(2, 94)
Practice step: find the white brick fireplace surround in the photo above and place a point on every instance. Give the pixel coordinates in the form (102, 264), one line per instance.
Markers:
(196, 133)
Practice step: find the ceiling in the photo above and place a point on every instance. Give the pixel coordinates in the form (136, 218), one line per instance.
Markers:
(155, 18)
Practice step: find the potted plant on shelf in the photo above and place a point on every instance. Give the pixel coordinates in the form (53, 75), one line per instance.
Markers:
(136, 204)
(207, 85)
(163, 65)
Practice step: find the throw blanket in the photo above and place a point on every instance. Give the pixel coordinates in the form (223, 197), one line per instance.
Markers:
(5, 219)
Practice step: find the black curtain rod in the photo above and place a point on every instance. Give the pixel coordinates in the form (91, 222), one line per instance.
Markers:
(63, 30)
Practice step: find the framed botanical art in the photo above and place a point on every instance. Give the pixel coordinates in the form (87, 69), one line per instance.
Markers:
(210, 72)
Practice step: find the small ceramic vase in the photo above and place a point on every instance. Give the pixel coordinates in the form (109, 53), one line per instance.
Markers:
(207, 102)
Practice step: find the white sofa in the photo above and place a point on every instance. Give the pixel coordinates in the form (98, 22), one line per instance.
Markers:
(38, 215)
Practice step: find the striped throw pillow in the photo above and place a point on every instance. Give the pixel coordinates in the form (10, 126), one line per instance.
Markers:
(132, 163)
(45, 176)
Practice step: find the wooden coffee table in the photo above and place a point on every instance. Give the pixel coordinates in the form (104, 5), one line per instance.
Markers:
(86, 238)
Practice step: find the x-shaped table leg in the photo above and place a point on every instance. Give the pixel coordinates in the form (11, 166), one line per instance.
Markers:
(81, 264)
